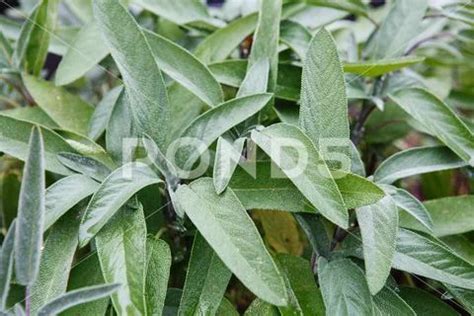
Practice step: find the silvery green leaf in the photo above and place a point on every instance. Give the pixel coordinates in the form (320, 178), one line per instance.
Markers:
(353, 6)
(157, 274)
(229, 230)
(416, 161)
(132, 53)
(296, 36)
(378, 226)
(6, 264)
(380, 67)
(84, 165)
(424, 303)
(228, 155)
(31, 208)
(388, 302)
(77, 297)
(206, 280)
(103, 112)
(160, 161)
(256, 79)
(113, 193)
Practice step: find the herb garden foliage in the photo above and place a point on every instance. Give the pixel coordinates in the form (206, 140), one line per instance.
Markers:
(376, 103)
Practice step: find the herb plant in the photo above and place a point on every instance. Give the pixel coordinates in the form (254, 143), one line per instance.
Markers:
(270, 157)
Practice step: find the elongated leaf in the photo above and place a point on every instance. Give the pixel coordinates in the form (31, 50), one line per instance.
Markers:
(30, 221)
(121, 247)
(344, 288)
(64, 194)
(380, 67)
(77, 297)
(415, 161)
(90, 267)
(56, 260)
(84, 165)
(261, 308)
(103, 112)
(451, 216)
(464, 296)
(86, 51)
(424, 304)
(221, 43)
(388, 303)
(157, 275)
(34, 115)
(313, 227)
(183, 67)
(305, 297)
(401, 25)
(323, 111)
(6, 264)
(311, 175)
(131, 51)
(427, 257)
(14, 135)
(378, 225)
(212, 124)
(352, 6)
(410, 204)
(206, 280)
(114, 192)
(160, 161)
(266, 37)
(227, 227)
(67, 110)
(439, 119)
(296, 36)
(33, 41)
(227, 158)
(256, 79)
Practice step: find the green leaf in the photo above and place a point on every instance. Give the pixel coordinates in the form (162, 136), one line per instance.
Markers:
(313, 179)
(401, 25)
(90, 267)
(186, 69)
(6, 264)
(121, 246)
(344, 288)
(77, 297)
(229, 230)
(157, 275)
(220, 44)
(86, 51)
(439, 119)
(451, 216)
(323, 110)
(416, 161)
(388, 302)
(261, 308)
(296, 36)
(429, 258)
(228, 155)
(56, 260)
(206, 280)
(64, 194)
(313, 226)
(84, 165)
(412, 206)
(103, 112)
(160, 161)
(67, 110)
(34, 115)
(215, 122)
(425, 304)
(265, 39)
(305, 297)
(256, 79)
(181, 12)
(378, 226)
(113, 193)
(352, 6)
(14, 135)
(132, 53)
(377, 68)
(465, 297)
(30, 220)
(32, 45)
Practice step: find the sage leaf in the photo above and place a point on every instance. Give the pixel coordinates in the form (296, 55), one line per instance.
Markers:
(388, 302)
(113, 193)
(206, 280)
(423, 303)
(157, 274)
(313, 179)
(102, 113)
(121, 247)
(132, 53)
(261, 308)
(352, 6)
(84, 165)
(377, 68)
(227, 158)
(416, 161)
(229, 230)
(77, 297)
(6, 264)
(434, 115)
(378, 226)
(31, 208)
(296, 36)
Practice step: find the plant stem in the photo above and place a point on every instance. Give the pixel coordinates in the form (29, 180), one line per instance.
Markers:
(358, 130)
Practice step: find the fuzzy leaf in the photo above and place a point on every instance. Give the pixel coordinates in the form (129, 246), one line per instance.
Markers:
(157, 274)
(103, 112)
(227, 158)
(296, 36)
(380, 67)
(6, 264)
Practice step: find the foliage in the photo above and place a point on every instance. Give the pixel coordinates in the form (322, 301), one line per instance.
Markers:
(260, 157)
